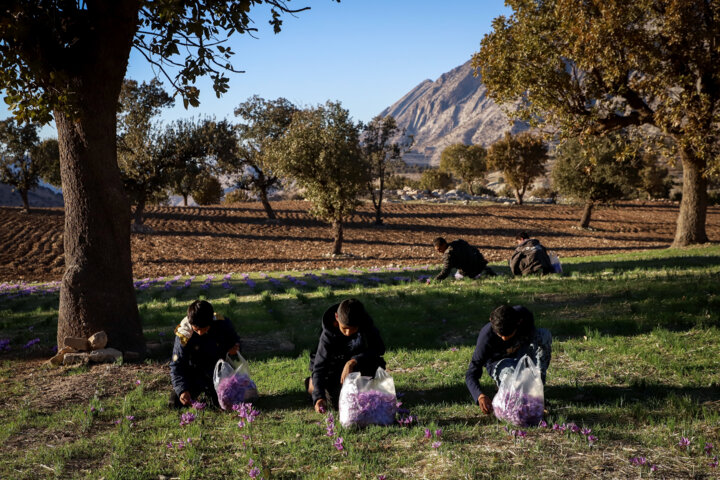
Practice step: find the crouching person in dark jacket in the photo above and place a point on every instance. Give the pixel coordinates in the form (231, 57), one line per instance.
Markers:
(462, 256)
(530, 257)
(349, 342)
(509, 335)
(201, 339)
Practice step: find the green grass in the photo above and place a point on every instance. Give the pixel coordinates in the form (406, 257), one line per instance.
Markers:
(636, 358)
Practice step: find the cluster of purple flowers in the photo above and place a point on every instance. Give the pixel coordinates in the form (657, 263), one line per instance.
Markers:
(591, 439)
(235, 389)
(248, 281)
(4, 344)
(32, 342)
(429, 435)
(641, 462)
(23, 289)
(179, 444)
(246, 413)
(208, 282)
(330, 432)
(370, 407)
(170, 283)
(129, 418)
(708, 451)
(187, 418)
(295, 281)
(404, 416)
(518, 408)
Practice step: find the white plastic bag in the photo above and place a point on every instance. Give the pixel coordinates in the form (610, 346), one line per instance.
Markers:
(232, 382)
(555, 262)
(367, 400)
(520, 399)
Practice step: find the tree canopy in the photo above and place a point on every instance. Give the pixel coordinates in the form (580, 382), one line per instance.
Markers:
(321, 151)
(593, 170)
(521, 158)
(594, 67)
(382, 153)
(466, 162)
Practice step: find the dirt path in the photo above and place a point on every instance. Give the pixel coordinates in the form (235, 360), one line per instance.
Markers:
(196, 240)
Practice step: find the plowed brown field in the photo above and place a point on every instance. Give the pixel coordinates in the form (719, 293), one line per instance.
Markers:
(195, 240)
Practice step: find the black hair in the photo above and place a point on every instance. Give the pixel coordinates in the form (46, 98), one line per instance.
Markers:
(522, 236)
(200, 313)
(505, 320)
(439, 242)
(351, 313)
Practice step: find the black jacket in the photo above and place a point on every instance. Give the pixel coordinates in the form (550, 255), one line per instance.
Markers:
(194, 356)
(463, 256)
(490, 348)
(530, 257)
(335, 349)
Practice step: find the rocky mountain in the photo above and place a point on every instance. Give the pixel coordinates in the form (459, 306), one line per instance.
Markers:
(454, 108)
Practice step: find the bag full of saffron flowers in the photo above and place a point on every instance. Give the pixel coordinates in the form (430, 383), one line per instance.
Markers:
(233, 383)
(367, 400)
(520, 399)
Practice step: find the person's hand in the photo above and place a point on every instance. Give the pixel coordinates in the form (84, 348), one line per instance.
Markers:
(185, 398)
(349, 367)
(485, 403)
(320, 406)
(428, 281)
(234, 350)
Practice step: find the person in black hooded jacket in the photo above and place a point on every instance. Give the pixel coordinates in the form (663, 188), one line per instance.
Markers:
(510, 334)
(530, 257)
(349, 342)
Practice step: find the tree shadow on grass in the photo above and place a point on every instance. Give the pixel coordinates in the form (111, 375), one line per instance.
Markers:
(644, 264)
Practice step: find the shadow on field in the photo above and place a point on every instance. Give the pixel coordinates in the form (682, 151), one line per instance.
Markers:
(645, 264)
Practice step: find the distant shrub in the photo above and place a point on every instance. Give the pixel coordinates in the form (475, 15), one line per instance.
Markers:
(544, 192)
(208, 191)
(435, 179)
(714, 197)
(236, 196)
(397, 182)
(488, 192)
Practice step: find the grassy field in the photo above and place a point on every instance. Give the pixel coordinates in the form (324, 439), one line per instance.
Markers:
(636, 360)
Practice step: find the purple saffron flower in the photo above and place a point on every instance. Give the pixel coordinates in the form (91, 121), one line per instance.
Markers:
(454, 349)
(339, 443)
(198, 405)
(427, 433)
(138, 382)
(591, 439)
(438, 432)
(130, 417)
(521, 433)
(251, 462)
(684, 442)
(187, 418)
(653, 468)
(254, 472)
(381, 477)
(714, 463)
(574, 428)
(585, 431)
(436, 445)
(708, 448)
(542, 424)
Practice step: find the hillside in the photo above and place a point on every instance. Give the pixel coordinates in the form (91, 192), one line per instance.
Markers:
(454, 108)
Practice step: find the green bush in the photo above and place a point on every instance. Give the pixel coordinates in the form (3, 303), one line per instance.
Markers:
(434, 179)
(236, 196)
(208, 191)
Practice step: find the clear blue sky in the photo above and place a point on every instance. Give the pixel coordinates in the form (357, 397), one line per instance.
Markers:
(365, 53)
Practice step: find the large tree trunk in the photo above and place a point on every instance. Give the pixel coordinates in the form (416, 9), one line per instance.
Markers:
(337, 227)
(185, 197)
(26, 203)
(97, 291)
(587, 212)
(690, 227)
(266, 204)
(519, 196)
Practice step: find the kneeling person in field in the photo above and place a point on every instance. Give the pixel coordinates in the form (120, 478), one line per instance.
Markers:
(459, 254)
(349, 342)
(510, 334)
(201, 339)
(529, 257)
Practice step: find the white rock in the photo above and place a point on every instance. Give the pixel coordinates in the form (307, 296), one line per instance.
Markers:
(105, 355)
(98, 340)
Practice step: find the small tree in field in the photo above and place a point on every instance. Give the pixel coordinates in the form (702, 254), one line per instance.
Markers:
(382, 155)
(144, 166)
(46, 158)
(467, 162)
(521, 158)
(321, 151)
(208, 191)
(17, 168)
(593, 171)
(252, 165)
